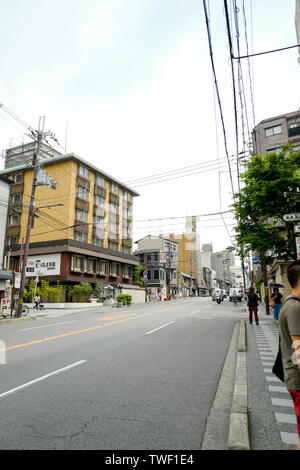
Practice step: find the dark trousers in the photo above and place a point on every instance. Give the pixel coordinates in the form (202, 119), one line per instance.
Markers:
(253, 310)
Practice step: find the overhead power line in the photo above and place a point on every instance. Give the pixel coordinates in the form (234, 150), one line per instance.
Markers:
(217, 91)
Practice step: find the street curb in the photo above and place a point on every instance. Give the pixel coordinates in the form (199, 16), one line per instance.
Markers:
(217, 425)
(15, 320)
(239, 436)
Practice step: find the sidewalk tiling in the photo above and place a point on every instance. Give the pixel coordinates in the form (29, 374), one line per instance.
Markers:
(267, 340)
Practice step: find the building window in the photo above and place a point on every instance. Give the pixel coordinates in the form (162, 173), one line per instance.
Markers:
(99, 181)
(126, 232)
(99, 200)
(296, 148)
(126, 249)
(82, 193)
(81, 215)
(12, 240)
(102, 265)
(127, 272)
(77, 263)
(148, 275)
(14, 219)
(18, 177)
(98, 220)
(91, 265)
(83, 172)
(113, 246)
(127, 196)
(16, 199)
(273, 130)
(114, 208)
(114, 189)
(294, 128)
(98, 242)
(156, 274)
(80, 236)
(114, 269)
(113, 227)
(277, 150)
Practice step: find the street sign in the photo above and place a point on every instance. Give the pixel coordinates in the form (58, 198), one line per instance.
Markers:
(291, 217)
(296, 228)
(163, 257)
(17, 280)
(256, 261)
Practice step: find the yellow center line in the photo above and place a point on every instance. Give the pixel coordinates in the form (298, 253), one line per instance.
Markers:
(76, 332)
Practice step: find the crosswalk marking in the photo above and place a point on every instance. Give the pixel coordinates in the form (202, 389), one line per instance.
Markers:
(282, 402)
(277, 388)
(286, 418)
(290, 438)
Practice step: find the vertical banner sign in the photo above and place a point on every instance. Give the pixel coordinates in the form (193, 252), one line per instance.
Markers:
(298, 247)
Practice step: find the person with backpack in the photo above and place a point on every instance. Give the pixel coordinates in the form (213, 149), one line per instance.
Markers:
(252, 305)
(289, 333)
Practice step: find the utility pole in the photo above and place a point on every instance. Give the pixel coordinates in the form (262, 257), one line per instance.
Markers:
(35, 167)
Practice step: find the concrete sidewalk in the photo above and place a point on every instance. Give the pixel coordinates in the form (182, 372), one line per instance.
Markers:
(272, 417)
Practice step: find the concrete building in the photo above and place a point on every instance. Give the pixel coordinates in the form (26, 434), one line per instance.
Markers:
(88, 237)
(5, 187)
(271, 134)
(222, 261)
(159, 255)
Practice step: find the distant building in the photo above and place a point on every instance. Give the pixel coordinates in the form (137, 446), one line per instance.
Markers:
(271, 134)
(159, 255)
(5, 186)
(221, 263)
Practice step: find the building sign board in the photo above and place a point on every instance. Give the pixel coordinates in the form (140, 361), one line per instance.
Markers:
(291, 217)
(298, 247)
(43, 265)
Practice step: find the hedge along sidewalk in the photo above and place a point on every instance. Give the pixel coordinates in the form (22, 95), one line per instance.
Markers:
(239, 438)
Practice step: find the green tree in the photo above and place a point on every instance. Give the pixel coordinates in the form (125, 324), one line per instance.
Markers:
(138, 277)
(261, 204)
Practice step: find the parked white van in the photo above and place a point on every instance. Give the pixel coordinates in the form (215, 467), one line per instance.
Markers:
(236, 292)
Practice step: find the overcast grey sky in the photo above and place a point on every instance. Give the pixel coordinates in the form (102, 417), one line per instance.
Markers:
(133, 80)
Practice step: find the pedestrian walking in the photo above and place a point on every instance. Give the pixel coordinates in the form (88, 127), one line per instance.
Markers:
(289, 330)
(252, 305)
(276, 303)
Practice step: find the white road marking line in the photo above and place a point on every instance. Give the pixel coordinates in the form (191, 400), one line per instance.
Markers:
(266, 353)
(277, 388)
(50, 324)
(39, 379)
(272, 379)
(267, 371)
(286, 418)
(282, 402)
(163, 326)
(289, 437)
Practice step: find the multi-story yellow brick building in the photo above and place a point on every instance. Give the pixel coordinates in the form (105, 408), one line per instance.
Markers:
(82, 231)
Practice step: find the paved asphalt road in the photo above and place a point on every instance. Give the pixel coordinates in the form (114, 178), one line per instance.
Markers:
(143, 377)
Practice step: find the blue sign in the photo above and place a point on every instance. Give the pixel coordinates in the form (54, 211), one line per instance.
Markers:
(256, 261)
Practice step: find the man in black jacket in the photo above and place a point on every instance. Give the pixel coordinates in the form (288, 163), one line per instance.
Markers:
(253, 305)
